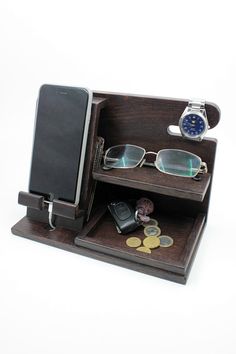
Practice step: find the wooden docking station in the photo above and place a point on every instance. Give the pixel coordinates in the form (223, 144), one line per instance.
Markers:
(181, 204)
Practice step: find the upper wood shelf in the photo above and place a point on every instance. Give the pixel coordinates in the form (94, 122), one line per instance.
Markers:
(150, 179)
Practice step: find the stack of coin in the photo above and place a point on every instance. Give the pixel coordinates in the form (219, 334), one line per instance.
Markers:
(153, 238)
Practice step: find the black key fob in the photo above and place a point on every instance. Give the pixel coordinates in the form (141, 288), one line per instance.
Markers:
(124, 216)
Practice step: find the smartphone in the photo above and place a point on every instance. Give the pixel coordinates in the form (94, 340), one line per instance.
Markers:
(60, 139)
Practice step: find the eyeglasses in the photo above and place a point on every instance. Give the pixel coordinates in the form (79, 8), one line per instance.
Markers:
(170, 161)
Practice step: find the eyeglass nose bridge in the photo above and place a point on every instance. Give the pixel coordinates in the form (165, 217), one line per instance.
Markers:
(144, 159)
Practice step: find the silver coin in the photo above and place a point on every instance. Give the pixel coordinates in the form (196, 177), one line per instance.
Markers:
(151, 222)
(152, 231)
(166, 241)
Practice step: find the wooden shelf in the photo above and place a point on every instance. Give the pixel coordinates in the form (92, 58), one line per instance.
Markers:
(150, 179)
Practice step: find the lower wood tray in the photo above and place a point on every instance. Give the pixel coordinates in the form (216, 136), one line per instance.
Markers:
(102, 236)
(102, 242)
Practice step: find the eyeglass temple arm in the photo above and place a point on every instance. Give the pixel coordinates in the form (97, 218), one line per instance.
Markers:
(203, 168)
(109, 159)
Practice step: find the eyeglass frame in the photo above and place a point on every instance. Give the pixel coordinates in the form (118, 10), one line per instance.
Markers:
(202, 169)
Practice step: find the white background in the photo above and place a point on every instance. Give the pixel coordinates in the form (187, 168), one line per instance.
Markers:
(52, 301)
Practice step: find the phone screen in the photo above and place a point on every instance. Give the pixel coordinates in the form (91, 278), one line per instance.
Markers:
(60, 142)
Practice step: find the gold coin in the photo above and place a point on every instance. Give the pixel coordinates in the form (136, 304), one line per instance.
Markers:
(151, 222)
(133, 242)
(166, 241)
(143, 249)
(152, 231)
(151, 242)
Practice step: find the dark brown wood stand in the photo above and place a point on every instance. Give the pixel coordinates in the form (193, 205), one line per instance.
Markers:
(181, 204)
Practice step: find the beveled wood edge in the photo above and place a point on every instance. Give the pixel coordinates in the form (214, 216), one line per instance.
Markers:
(100, 212)
(139, 95)
(170, 267)
(60, 207)
(66, 210)
(197, 229)
(100, 101)
(181, 100)
(87, 181)
(31, 200)
(164, 190)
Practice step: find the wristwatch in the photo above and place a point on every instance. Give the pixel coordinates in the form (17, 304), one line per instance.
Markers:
(193, 122)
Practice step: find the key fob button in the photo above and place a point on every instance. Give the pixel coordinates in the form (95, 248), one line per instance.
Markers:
(122, 211)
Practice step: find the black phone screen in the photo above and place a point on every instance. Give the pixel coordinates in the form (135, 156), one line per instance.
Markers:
(59, 131)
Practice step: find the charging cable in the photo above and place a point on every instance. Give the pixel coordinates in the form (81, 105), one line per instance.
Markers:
(50, 216)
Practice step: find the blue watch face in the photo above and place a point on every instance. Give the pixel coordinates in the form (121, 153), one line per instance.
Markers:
(193, 125)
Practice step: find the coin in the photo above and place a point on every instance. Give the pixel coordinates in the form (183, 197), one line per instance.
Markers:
(166, 241)
(151, 222)
(143, 249)
(152, 231)
(133, 242)
(151, 242)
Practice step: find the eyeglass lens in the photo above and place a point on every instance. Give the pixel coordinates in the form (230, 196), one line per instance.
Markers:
(124, 156)
(178, 163)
